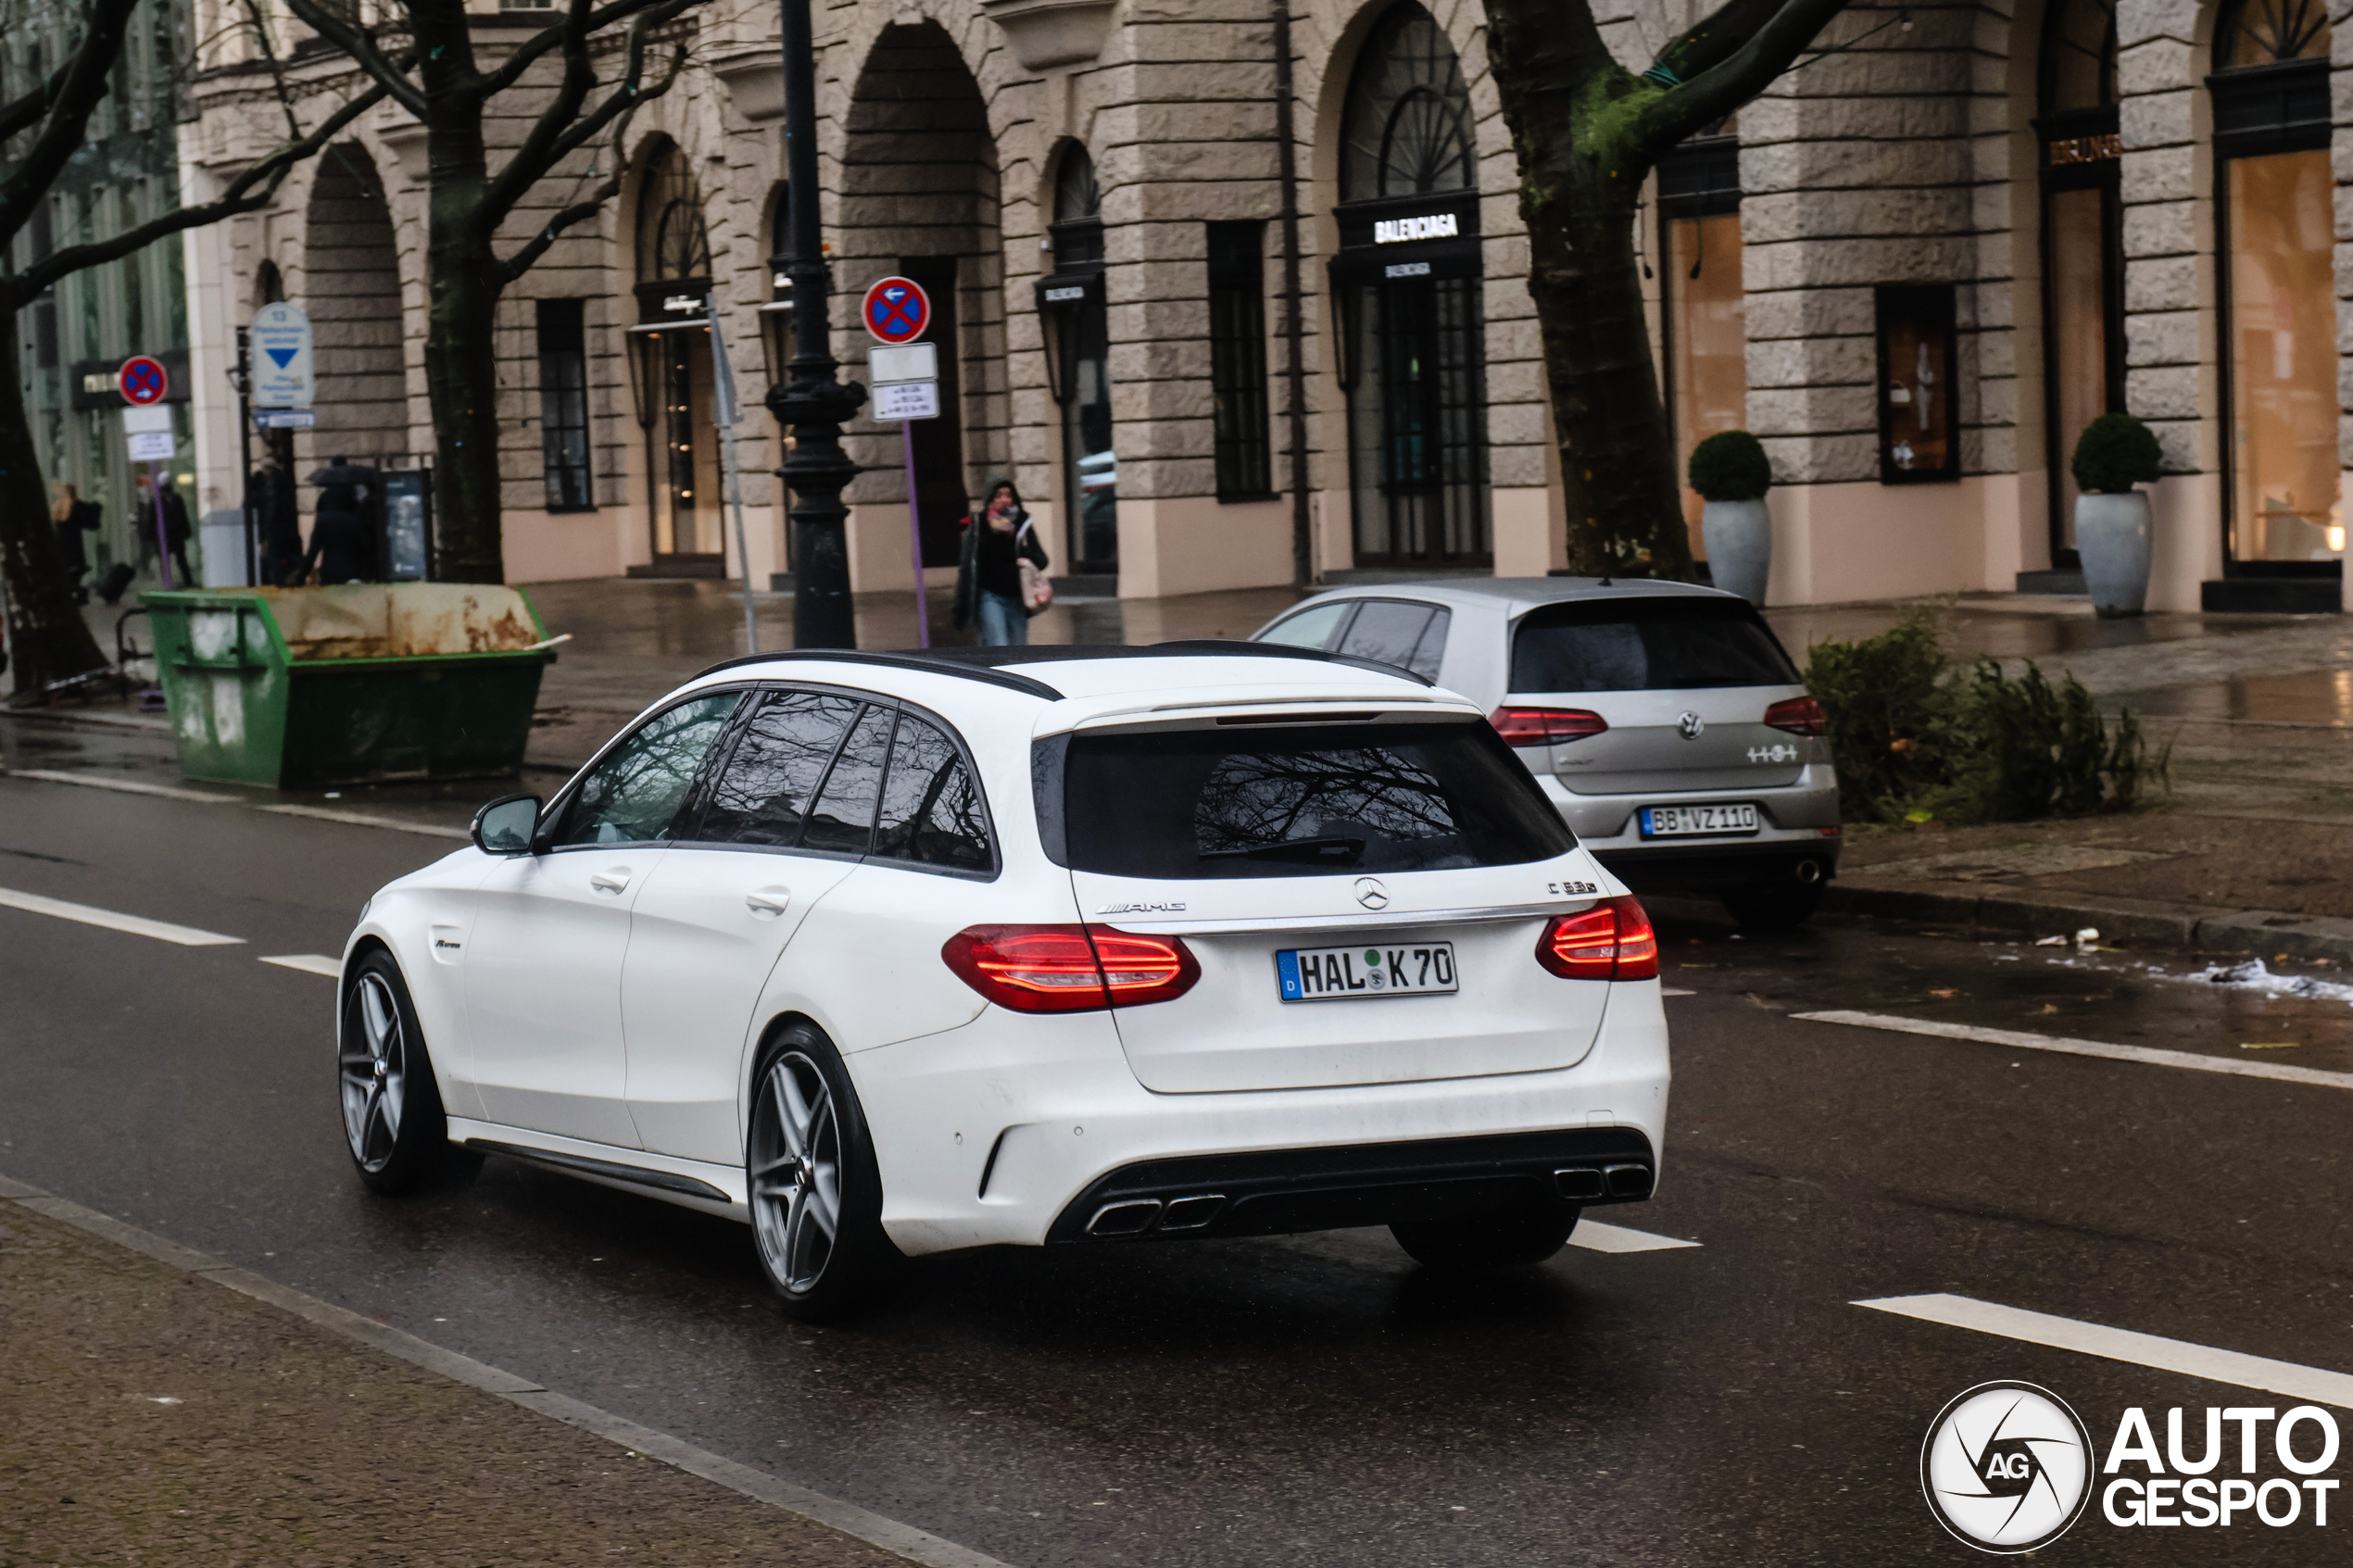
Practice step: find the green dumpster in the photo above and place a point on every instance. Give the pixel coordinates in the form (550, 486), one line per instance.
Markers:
(293, 688)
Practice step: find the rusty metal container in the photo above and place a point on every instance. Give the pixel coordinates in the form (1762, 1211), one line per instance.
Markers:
(295, 688)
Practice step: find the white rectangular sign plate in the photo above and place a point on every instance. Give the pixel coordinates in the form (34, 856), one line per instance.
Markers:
(907, 400)
(908, 361)
(281, 344)
(151, 446)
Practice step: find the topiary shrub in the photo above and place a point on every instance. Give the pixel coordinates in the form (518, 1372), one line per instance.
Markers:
(2115, 453)
(1731, 466)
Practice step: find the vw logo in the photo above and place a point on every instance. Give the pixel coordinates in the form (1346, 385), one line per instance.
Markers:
(2007, 1467)
(1691, 726)
(1371, 893)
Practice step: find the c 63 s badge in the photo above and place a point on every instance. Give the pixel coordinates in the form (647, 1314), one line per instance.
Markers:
(2007, 1467)
(1572, 889)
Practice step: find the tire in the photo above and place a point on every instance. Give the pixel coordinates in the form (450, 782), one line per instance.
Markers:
(1515, 1239)
(393, 1124)
(816, 1188)
(1774, 906)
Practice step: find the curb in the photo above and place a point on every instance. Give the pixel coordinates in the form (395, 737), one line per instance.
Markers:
(900, 1541)
(2188, 928)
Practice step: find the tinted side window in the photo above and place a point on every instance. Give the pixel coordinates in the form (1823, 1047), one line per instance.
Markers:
(931, 807)
(1388, 630)
(634, 796)
(1309, 628)
(1666, 643)
(762, 793)
(844, 816)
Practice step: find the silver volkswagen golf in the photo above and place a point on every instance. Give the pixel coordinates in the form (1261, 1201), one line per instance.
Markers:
(1663, 720)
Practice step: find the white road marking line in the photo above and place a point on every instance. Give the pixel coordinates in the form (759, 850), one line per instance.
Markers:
(1675, 991)
(137, 925)
(2124, 1345)
(904, 1540)
(364, 820)
(1595, 1236)
(310, 963)
(127, 786)
(2147, 1055)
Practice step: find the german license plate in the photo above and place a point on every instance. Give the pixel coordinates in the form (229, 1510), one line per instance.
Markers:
(1347, 974)
(1691, 821)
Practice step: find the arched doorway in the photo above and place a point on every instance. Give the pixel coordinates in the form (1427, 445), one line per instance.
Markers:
(1407, 278)
(2283, 514)
(670, 367)
(2082, 154)
(351, 291)
(1071, 303)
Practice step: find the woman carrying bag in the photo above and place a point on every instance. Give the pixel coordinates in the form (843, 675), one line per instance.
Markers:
(991, 586)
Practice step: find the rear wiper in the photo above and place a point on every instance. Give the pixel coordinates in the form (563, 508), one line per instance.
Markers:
(1333, 849)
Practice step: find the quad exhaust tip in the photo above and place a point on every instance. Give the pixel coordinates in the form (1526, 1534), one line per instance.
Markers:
(1136, 1215)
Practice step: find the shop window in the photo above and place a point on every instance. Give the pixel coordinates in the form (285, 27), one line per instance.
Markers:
(2083, 242)
(1075, 315)
(564, 405)
(1919, 430)
(1237, 360)
(1704, 306)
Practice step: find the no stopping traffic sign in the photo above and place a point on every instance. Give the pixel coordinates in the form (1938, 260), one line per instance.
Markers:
(897, 310)
(142, 381)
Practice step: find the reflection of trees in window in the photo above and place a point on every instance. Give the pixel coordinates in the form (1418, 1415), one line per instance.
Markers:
(931, 810)
(1407, 126)
(763, 795)
(2261, 31)
(844, 816)
(634, 796)
(1254, 799)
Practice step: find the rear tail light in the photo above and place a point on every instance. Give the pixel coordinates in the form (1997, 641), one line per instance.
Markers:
(1611, 941)
(1798, 715)
(1069, 968)
(1545, 726)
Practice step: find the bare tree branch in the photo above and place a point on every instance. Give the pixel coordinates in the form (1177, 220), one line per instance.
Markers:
(277, 71)
(623, 106)
(1739, 77)
(533, 159)
(68, 119)
(517, 178)
(510, 70)
(252, 188)
(390, 74)
(26, 112)
(1714, 39)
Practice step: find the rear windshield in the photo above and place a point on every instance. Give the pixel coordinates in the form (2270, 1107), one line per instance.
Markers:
(1311, 801)
(1647, 644)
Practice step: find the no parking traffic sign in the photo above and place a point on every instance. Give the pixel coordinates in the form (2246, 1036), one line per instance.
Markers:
(897, 310)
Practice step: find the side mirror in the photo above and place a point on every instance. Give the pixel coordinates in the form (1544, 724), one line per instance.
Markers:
(506, 825)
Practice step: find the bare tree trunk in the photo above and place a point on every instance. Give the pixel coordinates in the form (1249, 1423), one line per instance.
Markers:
(47, 638)
(462, 376)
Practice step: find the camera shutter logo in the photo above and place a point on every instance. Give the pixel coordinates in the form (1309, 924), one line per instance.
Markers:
(2007, 1467)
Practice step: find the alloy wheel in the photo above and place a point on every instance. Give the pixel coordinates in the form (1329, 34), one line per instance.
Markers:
(375, 1074)
(796, 1172)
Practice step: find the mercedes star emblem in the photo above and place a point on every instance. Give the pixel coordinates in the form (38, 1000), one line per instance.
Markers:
(1371, 893)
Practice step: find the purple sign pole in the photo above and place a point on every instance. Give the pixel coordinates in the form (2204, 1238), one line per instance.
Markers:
(163, 541)
(915, 536)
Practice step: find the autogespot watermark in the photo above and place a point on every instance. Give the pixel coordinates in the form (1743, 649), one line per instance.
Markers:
(2008, 1467)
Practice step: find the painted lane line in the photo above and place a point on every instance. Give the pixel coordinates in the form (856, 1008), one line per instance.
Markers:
(904, 1540)
(2124, 1345)
(1595, 1236)
(137, 925)
(2146, 1055)
(1675, 991)
(366, 819)
(127, 786)
(310, 963)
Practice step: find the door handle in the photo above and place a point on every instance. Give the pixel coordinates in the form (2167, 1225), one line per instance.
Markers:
(769, 902)
(613, 882)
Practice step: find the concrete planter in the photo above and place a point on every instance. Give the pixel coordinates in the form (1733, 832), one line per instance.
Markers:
(1739, 546)
(2112, 534)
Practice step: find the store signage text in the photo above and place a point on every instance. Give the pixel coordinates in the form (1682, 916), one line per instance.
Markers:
(1437, 226)
(2086, 149)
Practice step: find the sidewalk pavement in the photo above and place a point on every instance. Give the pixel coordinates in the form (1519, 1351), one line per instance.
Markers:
(147, 1414)
(2253, 843)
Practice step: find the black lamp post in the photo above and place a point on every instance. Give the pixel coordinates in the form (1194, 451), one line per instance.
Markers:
(813, 404)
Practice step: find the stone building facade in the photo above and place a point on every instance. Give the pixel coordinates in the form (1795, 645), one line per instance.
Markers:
(1915, 268)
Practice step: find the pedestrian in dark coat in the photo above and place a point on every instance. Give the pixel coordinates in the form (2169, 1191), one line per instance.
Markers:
(997, 540)
(270, 491)
(175, 531)
(340, 546)
(73, 517)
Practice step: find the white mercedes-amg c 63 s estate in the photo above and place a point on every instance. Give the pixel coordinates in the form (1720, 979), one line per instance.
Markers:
(891, 954)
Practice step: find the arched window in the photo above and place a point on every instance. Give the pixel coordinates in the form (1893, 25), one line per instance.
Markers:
(2258, 32)
(1076, 196)
(1077, 320)
(672, 246)
(2083, 243)
(1407, 128)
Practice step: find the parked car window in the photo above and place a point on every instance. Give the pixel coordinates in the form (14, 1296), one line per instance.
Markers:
(1412, 636)
(844, 816)
(1667, 643)
(634, 795)
(762, 795)
(931, 809)
(1310, 628)
(1199, 804)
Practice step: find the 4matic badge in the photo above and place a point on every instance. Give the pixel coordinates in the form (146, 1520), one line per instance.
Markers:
(2007, 1467)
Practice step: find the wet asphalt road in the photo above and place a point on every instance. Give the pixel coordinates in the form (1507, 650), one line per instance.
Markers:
(1309, 1400)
